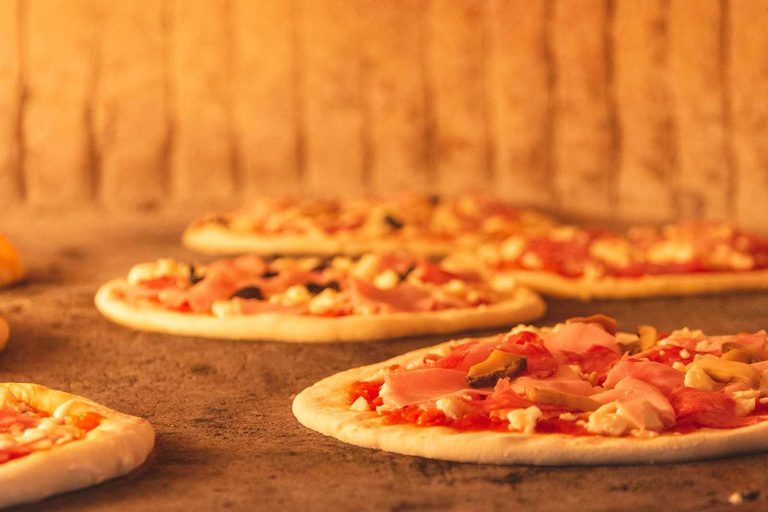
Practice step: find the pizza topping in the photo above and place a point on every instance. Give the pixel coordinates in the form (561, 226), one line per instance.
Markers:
(607, 323)
(249, 292)
(499, 365)
(482, 384)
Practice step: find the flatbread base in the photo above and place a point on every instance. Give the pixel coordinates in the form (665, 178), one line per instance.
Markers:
(523, 306)
(322, 407)
(646, 286)
(116, 446)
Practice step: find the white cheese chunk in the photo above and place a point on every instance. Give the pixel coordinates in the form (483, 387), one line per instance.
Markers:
(524, 420)
(744, 406)
(361, 404)
(386, 280)
(606, 421)
(671, 251)
(697, 378)
(453, 408)
(615, 252)
(323, 302)
(512, 248)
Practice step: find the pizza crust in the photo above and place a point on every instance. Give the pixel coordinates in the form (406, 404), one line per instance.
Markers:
(116, 446)
(523, 306)
(215, 239)
(646, 286)
(10, 275)
(322, 407)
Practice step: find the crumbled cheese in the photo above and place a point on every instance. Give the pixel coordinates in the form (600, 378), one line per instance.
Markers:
(685, 333)
(502, 283)
(455, 286)
(512, 248)
(697, 378)
(744, 406)
(223, 308)
(736, 498)
(671, 251)
(361, 404)
(563, 233)
(606, 421)
(452, 407)
(296, 294)
(677, 365)
(386, 280)
(568, 416)
(366, 268)
(685, 354)
(161, 268)
(615, 252)
(524, 420)
(532, 260)
(323, 302)
(703, 346)
(342, 263)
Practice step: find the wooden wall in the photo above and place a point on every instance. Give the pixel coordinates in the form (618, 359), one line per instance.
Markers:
(646, 110)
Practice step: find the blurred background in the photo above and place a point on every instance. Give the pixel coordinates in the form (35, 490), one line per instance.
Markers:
(639, 110)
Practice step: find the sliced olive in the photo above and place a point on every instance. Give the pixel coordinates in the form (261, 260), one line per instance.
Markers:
(499, 365)
(193, 277)
(606, 322)
(721, 370)
(405, 274)
(269, 274)
(250, 292)
(393, 222)
(315, 288)
(733, 351)
(552, 397)
(320, 267)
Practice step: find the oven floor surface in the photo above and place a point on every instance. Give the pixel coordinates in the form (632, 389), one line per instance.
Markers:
(226, 438)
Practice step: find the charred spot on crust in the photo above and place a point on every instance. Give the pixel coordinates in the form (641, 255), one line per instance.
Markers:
(315, 288)
(393, 222)
(250, 292)
(269, 274)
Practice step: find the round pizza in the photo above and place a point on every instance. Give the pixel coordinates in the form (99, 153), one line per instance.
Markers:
(577, 393)
(678, 259)
(11, 269)
(312, 299)
(419, 224)
(53, 442)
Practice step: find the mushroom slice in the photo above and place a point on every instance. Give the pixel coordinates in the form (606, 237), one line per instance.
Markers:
(606, 322)
(552, 397)
(733, 351)
(499, 365)
(721, 370)
(647, 337)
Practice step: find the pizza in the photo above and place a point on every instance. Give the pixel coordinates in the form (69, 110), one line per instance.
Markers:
(53, 442)
(677, 259)
(419, 224)
(577, 393)
(11, 269)
(312, 299)
(5, 332)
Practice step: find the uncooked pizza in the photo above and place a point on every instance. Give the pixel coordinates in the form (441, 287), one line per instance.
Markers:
(577, 393)
(313, 299)
(53, 442)
(11, 269)
(419, 224)
(678, 259)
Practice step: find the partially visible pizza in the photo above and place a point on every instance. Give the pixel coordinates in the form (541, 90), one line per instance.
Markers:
(11, 269)
(312, 299)
(419, 224)
(578, 393)
(53, 442)
(678, 259)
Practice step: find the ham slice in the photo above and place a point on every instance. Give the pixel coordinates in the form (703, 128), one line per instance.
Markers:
(707, 408)
(435, 274)
(463, 359)
(664, 377)
(637, 399)
(540, 362)
(597, 359)
(405, 297)
(418, 386)
(578, 338)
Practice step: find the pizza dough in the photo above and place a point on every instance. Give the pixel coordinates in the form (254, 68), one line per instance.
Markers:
(324, 407)
(417, 224)
(524, 305)
(117, 445)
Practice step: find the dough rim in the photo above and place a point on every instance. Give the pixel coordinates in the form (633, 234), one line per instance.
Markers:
(119, 444)
(523, 306)
(322, 407)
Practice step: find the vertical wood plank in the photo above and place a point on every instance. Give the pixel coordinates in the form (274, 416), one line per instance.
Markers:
(201, 166)
(132, 128)
(457, 70)
(334, 118)
(393, 88)
(265, 95)
(60, 38)
(697, 78)
(584, 127)
(748, 82)
(647, 163)
(521, 85)
(10, 98)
